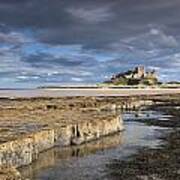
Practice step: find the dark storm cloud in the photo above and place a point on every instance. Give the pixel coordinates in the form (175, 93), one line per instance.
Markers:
(89, 22)
(47, 60)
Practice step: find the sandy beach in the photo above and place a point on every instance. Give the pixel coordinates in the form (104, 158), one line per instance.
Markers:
(63, 92)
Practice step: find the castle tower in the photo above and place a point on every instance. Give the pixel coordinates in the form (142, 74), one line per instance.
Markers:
(140, 70)
(151, 74)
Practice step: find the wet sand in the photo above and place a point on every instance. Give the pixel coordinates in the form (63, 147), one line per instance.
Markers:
(63, 92)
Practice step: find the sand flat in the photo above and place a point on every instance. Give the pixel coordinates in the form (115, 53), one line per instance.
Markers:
(63, 92)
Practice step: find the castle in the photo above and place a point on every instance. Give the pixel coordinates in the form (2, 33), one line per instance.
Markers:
(133, 77)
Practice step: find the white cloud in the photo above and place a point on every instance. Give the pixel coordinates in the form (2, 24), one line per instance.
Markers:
(14, 38)
(163, 38)
(152, 41)
(76, 79)
(27, 77)
(154, 31)
(91, 14)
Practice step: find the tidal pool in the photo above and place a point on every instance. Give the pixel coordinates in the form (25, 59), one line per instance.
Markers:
(89, 161)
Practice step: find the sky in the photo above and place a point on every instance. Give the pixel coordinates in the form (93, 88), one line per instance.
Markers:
(53, 42)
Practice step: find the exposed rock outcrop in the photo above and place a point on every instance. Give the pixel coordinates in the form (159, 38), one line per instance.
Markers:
(9, 173)
(25, 150)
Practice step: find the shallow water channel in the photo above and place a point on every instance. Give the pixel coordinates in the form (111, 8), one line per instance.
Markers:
(89, 161)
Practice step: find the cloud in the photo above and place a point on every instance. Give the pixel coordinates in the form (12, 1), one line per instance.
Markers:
(164, 39)
(76, 79)
(47, 60)
(14, 38)
(91, 14)
(152, 41)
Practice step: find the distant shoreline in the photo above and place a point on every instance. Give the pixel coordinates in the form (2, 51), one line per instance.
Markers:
(110, 87)
(70, 92)
(95, 86)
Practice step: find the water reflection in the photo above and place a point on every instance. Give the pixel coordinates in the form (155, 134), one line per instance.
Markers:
(57, 155)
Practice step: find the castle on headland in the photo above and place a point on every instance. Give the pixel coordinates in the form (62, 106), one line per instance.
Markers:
(134, 77)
